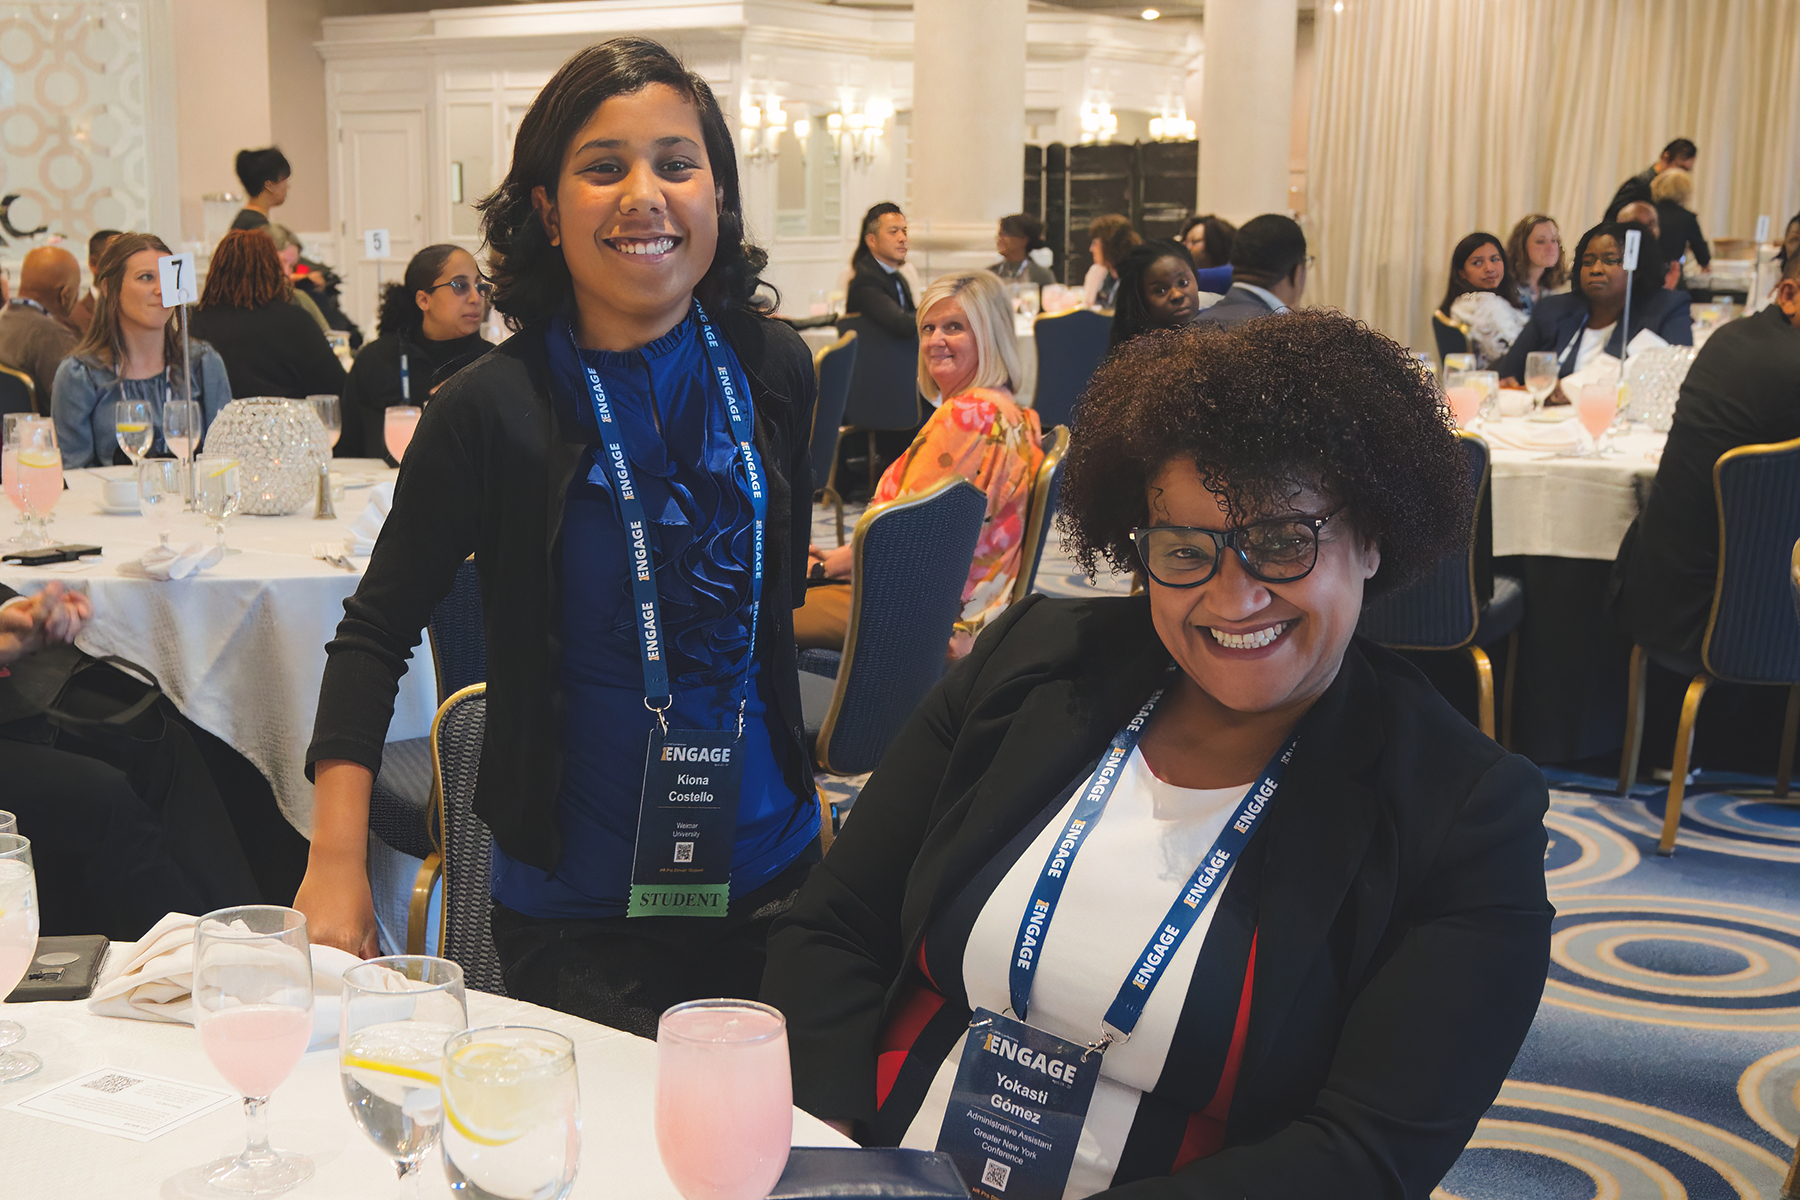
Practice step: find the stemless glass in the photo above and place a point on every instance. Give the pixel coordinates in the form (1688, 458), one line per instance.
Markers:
(217, 492)
(18, 942)
(1540, 377)
(8, 822)
(253, 1000)
(181, 434)
(159, 493)
(512, 1113)
(724, 1098)
(397, 1014)
(135, 427)
(397, 429)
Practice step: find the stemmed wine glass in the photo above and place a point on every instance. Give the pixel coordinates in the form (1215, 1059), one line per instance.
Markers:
(1595, 407)
(330, 410)
(1540, 377)
(159, 494)
(181, 434)
(397, 1014)
(9, 473)
(18, 942)
(724, 1098)
(397, 429)
(37, 482)
(512, 1113)
(134, 427)
(253, 1000)
(218, 492)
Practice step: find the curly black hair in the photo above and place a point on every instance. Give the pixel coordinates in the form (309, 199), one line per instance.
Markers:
(1308, 398)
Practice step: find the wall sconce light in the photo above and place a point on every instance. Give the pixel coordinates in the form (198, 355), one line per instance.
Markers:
(760, 130)
(857, 133)
(1172, 129)
(1098, 123)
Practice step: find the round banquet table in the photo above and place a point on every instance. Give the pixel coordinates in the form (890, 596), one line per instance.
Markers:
(617, 1074)
(239, 647)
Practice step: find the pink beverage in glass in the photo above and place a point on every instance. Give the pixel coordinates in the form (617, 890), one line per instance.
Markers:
(1465, 403)
(256, 1046)
(1596, 407)
(9, 478)
(40, 479)
(724, 1100)
(398, 430)
(180, 447)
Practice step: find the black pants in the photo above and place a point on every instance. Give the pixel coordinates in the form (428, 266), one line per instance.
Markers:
(624, 971)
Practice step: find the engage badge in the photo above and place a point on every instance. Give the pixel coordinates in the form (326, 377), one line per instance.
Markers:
(687, 824)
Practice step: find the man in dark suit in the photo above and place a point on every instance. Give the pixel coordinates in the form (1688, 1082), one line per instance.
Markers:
(878, 290)
(1743, 389)
(1679, 153)
(1268, 272)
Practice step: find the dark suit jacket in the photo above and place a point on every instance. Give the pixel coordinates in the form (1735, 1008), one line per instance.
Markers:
(1557, 321)
(1633, 189)
(1401, 921)
(1239, 305)
(1680, 231)
(1744, 388)
(873, 295)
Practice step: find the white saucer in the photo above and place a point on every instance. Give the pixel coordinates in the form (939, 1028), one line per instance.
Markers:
(1551, 416)
(123, 511)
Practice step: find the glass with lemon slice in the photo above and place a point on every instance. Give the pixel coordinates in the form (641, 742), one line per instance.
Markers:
(512, 1113)
(135, 428)
(396, 1015)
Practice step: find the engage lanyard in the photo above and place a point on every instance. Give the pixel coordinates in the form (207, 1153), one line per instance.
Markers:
(1134, 993)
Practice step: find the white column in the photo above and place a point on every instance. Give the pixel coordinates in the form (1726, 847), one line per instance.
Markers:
(968, 130)
(1247, 110)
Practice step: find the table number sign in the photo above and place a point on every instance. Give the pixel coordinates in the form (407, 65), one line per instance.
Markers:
(1633, 238)
(375, 243)
(1762, 229)
(176, 274)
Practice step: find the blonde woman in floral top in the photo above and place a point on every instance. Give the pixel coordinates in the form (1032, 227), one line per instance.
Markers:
(968, 364)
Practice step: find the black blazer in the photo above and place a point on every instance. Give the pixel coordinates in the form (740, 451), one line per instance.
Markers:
(1680, 231)
(1401, 919)
(488, 473)
(275, 350)
(1557, 321)
(872, 294)
(1239, 305)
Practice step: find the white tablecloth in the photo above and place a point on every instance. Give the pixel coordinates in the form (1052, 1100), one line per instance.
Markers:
(1568, 507)
(307, 1113)
(239, 648)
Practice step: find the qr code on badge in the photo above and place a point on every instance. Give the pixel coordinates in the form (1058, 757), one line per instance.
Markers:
(684, 852)
(112, 1083)
(995, 1175)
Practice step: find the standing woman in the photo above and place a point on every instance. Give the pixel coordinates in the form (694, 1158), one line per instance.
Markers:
(1535, 251)
(132, 351)
(1483, 295)
(433, 315)
(618, 250)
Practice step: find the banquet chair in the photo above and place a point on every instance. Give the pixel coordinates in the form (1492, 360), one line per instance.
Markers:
(1070, 348)
(884, 384)
(464, 934)
(912, 559)
(17, 393)
(1044, 491)
(832, 367)
(1753, 631)
(1445, 610)
(1452, 336)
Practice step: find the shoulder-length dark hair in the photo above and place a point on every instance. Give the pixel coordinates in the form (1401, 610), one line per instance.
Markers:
(245, 272)
(1131, 309)
(1219, 236)
(400, 312)
(103, 344)
(1647, 280)
(531, 279)
(1508, 288)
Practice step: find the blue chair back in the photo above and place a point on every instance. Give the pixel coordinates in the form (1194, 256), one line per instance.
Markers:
(1441, 610)
(465, 936)
(833, 367)
(1044, 493)
(17, 393)
(1752, 635)
(884, 379)
(1452, 338)
(458, 636)
(1070, 348)
(912, 560)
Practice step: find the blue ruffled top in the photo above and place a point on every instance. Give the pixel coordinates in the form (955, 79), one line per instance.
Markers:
(684, 462)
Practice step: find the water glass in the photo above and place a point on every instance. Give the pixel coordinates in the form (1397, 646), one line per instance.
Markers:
(1488, 384)
(1460, 362)
(397, 429)
(1540, 377)
(253, 1000)
(181, 434)
(8, 822)
(18, 943)
(159, 494)
(135, 427)
(397, 1014)
(331, 416)
(217, 491)
(724, 1098)
(512, 1113)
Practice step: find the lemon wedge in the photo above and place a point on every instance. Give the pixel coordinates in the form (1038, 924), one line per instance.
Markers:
(494, 1095)
(39, 459)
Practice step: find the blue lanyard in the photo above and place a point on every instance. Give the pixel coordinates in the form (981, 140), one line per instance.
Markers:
(651, 643)
(1134, 993)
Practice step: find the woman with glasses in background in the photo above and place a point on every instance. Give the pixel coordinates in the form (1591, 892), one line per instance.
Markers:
(1260, 879)
(433, 315)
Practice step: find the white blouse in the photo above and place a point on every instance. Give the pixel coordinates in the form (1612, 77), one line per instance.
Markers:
(1494, 325)
(1131, 868)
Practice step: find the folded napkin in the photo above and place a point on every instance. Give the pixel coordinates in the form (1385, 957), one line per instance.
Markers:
(153, 979)
(1518, 434)
(367, 526)
(169, 562)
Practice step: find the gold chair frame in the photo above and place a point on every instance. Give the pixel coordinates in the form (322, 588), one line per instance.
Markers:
(30, 388)
(1039, 511)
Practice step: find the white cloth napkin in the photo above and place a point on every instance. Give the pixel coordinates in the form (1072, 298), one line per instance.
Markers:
(367, 526)
(153, 979)
(1517, 434)
(170, 562)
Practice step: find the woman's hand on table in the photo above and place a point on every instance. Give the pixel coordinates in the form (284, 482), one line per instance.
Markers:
(53, 617)
(335, 896)
(833, 565)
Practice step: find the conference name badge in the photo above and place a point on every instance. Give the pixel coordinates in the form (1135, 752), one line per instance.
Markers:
(1016, 1111)
(687, 824)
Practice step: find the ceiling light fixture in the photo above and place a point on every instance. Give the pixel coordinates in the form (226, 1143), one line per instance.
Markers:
(1150, 14)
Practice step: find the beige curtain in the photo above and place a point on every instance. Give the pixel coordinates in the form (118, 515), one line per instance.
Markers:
(1435, 118)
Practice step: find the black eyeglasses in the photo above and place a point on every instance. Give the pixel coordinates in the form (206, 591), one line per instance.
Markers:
(1278, 550)
(460, 287)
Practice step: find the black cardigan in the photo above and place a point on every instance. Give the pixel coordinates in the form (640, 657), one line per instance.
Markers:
(1401, 918)
(275, 350)
(374, 384)
(487, 473)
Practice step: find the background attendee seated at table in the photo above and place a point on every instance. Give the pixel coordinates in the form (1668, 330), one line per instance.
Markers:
(1357, 982)
(270, 346)
(1743, 389)
(1679, 153)
(287, 250)
(1535, 251)
(969, 359)
(83, 312)
(264, 174)
(1790, 243)
(1586, 322)
(132, 351)
(36, 333)
(1483, 295)
(1642, 212)
(431, 316)
(1110, 239)
(1268, 272)
(1208, 239)
(1156, 291)
(1673, 191)
(879, 289)
(1017, 237)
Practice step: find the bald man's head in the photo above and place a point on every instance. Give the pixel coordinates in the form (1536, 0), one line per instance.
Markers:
(51, 276)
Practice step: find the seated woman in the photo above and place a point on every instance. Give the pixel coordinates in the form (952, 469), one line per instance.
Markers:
(1587, 322)
(1110, 238)
(1208, 239)
(1368, 931)
(132, 351)
(270, 345)
(1534, 250)
(969, 360)
(1017, 237)
(1156, 291)
(1484, 296)
(431, 316)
